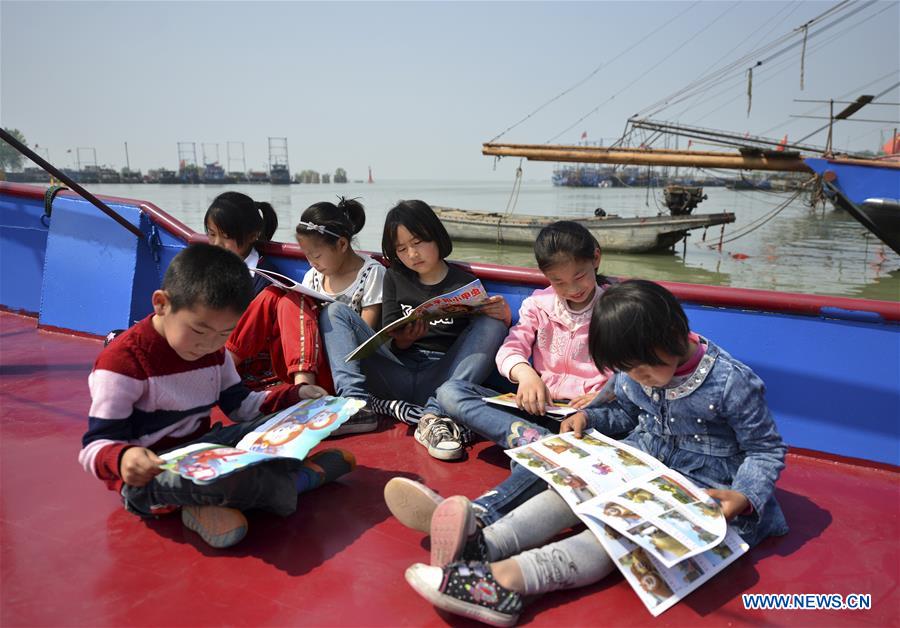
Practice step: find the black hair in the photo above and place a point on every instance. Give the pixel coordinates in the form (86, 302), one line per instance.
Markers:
(207, 275)
(564, 240)
(632, 321)
(345, 219)
(422, 222)
(241, 218)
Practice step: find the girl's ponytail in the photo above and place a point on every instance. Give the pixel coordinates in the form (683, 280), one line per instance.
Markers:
(355, 212)
(269, 221)
(241, 218)
(343, 220)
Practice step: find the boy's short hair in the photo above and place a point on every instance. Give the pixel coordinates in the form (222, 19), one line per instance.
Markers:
(421, 221)
(632, 321)
(207, 275)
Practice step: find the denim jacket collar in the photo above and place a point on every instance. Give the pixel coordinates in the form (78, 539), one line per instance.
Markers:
(696, 379)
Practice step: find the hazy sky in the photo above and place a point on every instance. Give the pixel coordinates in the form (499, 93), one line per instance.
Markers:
(413, 89)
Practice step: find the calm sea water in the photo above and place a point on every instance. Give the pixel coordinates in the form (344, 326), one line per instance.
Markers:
(816, 251)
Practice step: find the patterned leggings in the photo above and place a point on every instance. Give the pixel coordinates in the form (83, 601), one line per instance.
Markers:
(575, 561)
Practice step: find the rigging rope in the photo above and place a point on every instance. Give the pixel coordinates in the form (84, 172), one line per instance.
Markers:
(803, 55)
(593, 72)
(665, 58)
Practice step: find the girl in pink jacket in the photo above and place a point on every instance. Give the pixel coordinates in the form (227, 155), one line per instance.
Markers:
(546, 351)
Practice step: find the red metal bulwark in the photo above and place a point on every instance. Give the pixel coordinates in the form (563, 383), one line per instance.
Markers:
(70, 555)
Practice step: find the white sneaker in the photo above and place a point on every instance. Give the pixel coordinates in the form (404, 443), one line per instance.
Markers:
(441, 436)
(411, 502)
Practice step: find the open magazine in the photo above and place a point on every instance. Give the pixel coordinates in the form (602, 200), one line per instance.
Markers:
(291, 433)
(286, 283)
(558, 409)
(464, 301)
(665, 534)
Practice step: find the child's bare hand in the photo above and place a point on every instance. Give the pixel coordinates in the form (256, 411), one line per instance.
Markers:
(733, 503)
(311, 391)
(409, 333)
(532, 394)
(574, 423)
(497, 307)
(139, 465)
(582, 400)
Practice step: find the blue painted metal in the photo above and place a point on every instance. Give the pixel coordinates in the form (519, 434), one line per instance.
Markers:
(860, 181)
(97, 276)
(23, 242)
(833, 380)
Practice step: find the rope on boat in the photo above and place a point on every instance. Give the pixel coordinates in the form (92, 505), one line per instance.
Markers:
(511, 203)
(640, 42)
(803, 55)
(756, 224)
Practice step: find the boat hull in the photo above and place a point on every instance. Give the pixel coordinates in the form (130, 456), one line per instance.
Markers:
(853, 183)
(614, 233)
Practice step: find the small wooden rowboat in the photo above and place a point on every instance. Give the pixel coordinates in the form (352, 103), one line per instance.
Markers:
(615, 233)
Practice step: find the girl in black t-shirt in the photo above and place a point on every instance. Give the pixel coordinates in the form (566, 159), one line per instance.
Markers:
(422, 355)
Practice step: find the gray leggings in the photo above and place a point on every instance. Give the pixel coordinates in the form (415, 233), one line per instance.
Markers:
(575, 561)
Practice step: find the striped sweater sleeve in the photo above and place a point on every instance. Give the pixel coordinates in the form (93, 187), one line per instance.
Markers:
(239, 403)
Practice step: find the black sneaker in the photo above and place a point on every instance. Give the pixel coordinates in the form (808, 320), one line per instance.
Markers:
(363, 421)
(466, 589)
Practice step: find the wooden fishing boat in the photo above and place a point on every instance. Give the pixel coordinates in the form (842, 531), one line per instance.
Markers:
(72, 556)
(615, 233)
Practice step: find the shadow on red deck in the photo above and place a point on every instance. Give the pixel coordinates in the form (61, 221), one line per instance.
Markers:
(72, 556)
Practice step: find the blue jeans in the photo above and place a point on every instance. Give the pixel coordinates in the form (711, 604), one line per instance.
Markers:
(269, 486)
(462, 401)
(412, 375)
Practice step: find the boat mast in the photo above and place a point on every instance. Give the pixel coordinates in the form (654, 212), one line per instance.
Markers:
(748, 159)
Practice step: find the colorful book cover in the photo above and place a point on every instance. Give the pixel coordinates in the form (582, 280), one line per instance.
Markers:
(291, 433)
(560, 408)
(465, 301)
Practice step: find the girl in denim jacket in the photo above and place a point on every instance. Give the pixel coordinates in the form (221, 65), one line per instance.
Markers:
(681, 399)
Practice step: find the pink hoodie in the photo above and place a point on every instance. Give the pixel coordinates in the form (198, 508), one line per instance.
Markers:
(557, 340)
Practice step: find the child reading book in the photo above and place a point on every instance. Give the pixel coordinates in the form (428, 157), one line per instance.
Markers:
(276, 339)
(684, 400)
(546, 352)
(424, 354)
(152, 390)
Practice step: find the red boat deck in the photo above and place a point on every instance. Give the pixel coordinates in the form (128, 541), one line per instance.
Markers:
(70, 555)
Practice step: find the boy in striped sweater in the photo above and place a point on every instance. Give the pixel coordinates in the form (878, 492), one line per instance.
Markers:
(152, 390)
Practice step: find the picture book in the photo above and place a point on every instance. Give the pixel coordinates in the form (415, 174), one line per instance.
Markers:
(286, 283)
(558, 409)
(291, 433)
(653, 518)
(660, 587)
(464, 301)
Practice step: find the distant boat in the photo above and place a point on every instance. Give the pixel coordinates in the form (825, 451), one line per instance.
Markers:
(213, 174)
(869, 189)
(279, 174)
(614, 233)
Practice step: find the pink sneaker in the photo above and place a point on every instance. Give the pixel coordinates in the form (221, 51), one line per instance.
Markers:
(452, 525)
